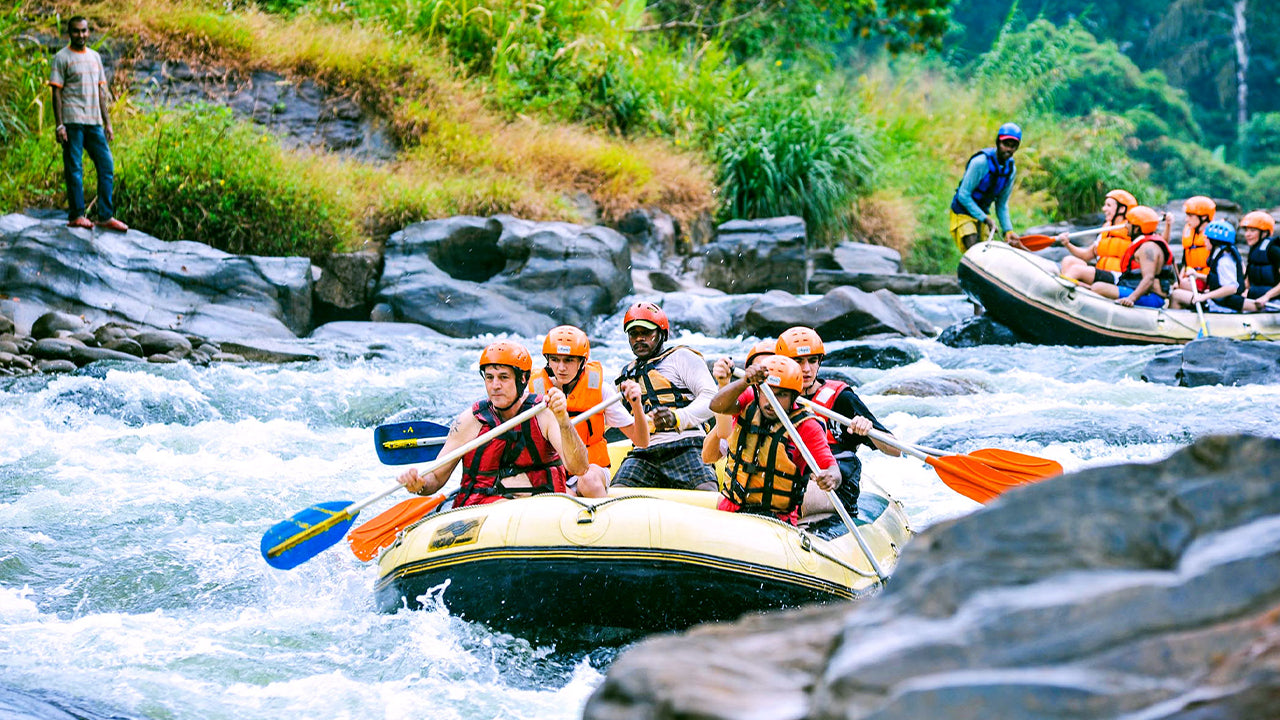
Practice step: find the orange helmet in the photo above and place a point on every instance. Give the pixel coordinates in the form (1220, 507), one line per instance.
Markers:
(764, 347)
(1200, 205)
(1259, 220)
(646, 312)
(507, 353)
(784, 373)
(566, 340)
(800, 341)
(1123, 198)
(1147, 220)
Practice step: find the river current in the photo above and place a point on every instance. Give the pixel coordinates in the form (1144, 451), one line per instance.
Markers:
(133, 499)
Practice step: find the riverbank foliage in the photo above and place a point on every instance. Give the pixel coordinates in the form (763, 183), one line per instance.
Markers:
(721, 109)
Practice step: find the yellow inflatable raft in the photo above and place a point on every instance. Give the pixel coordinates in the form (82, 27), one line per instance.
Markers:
(640, 561)
(1026, 293)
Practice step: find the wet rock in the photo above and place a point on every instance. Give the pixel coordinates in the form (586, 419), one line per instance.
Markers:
(896, 283)
(138, 279)
(1124, 591)
(373, 331)
(162, 359)
(346, 285)
(855, 257)
(9, 347)
(652, 236)
(882, 356)
(267, 351)
(18, 704)
(55, 348)
(49, 324)
(466, 276)
(1216, 361)
(842, 314)
(126, 345)
(227, 358)
(710, 315)
(6, 325)
(107, 333)
(930, 387)
(975, 331)
(55, 367)
(161, 341)
(750, 256)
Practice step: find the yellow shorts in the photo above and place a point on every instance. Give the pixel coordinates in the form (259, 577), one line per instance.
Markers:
(963, 226)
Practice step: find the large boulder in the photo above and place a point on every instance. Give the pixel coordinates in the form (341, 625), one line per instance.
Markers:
(466, 276)
(1146, 591)
(134, 277)
(978, 330)
(842, 314)
(757, 256)
(897, 283)
(345, 286)
(1216, 361)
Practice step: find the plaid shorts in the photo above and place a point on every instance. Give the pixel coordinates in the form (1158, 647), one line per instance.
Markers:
(677, 464)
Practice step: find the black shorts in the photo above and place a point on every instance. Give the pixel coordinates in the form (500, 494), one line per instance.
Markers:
(1104, 276)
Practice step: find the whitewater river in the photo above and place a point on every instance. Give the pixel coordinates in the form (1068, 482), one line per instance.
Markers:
(133, 499)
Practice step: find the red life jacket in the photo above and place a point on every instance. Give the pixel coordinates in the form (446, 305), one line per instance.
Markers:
(1129, 264)
(520, 450)
(825, 396)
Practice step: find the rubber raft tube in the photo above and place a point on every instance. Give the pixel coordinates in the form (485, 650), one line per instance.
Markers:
(1026, 293)
(609, 570)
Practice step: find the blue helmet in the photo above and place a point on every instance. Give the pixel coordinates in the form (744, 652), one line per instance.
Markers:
(1220, 231)
(1009, 130)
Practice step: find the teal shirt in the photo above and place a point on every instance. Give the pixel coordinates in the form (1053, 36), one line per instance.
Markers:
(973, 175)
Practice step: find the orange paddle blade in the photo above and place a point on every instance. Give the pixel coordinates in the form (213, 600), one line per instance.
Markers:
(1028, 468)
(370, 538)
(974, 478)
(1036, 242)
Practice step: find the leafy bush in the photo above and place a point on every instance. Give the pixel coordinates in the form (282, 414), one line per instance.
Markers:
(1186, 169)
(30, 164)
(1091, 160)
(788, 156)
(1263, 138)
(198, 174)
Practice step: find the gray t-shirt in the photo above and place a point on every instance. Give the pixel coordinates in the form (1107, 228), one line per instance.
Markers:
(83, 81)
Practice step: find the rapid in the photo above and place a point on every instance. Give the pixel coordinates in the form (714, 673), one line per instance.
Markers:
(133, 498)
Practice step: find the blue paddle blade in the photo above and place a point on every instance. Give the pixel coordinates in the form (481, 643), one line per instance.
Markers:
(397, 443)
(290, 543)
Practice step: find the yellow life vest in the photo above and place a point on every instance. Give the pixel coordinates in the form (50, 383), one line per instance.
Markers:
(586, 394)
(1195, 252)
(760, 473)
(655, 389)
(1111, 247)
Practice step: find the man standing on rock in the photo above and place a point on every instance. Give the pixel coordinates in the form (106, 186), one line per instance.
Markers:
(676, 388)
(988, 178)
(80, 108)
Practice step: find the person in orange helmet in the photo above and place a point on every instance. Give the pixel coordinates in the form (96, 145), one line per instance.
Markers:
(567, 351)
(676, 388)
(1107, 250)
(537, 456)
(766, 472)
(1147, 274)
(1262, 278)
(1195, 246)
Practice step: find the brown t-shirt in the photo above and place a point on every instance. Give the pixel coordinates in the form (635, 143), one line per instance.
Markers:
(82, 79)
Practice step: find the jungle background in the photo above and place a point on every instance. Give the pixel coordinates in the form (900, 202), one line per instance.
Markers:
(856, 114)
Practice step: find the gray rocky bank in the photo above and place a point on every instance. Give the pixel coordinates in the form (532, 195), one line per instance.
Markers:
(1134, 591)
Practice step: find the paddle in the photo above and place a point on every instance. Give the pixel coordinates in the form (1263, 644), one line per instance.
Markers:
(1019, 465)
(292, 542)
(409, 442)
(813, 467)
(1040, 242)
(371, 537)
(969, 476)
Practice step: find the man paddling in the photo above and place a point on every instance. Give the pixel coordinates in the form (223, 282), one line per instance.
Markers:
(570, 368)
(767, 474)
(536, 456)
(676, 389)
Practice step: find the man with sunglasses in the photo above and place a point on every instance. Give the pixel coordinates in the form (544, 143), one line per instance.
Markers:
(988, 179)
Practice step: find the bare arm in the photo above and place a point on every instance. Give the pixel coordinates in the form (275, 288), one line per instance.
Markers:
(638, 431)
(59, 132)
(557, 426)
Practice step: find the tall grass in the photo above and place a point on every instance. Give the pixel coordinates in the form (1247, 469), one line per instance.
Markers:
(30, 165)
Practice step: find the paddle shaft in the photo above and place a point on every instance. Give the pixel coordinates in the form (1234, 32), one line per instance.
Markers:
(1105, 228)
(874, 434)
(813, 467)
(354, 509)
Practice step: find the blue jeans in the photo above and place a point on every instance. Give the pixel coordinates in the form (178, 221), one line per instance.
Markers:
(90, 139)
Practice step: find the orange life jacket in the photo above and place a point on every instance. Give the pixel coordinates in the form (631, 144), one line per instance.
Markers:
(586, 394)
(520, 450)
(1195, 252)
(760, 472)
(825, 396)
(1111, 247)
